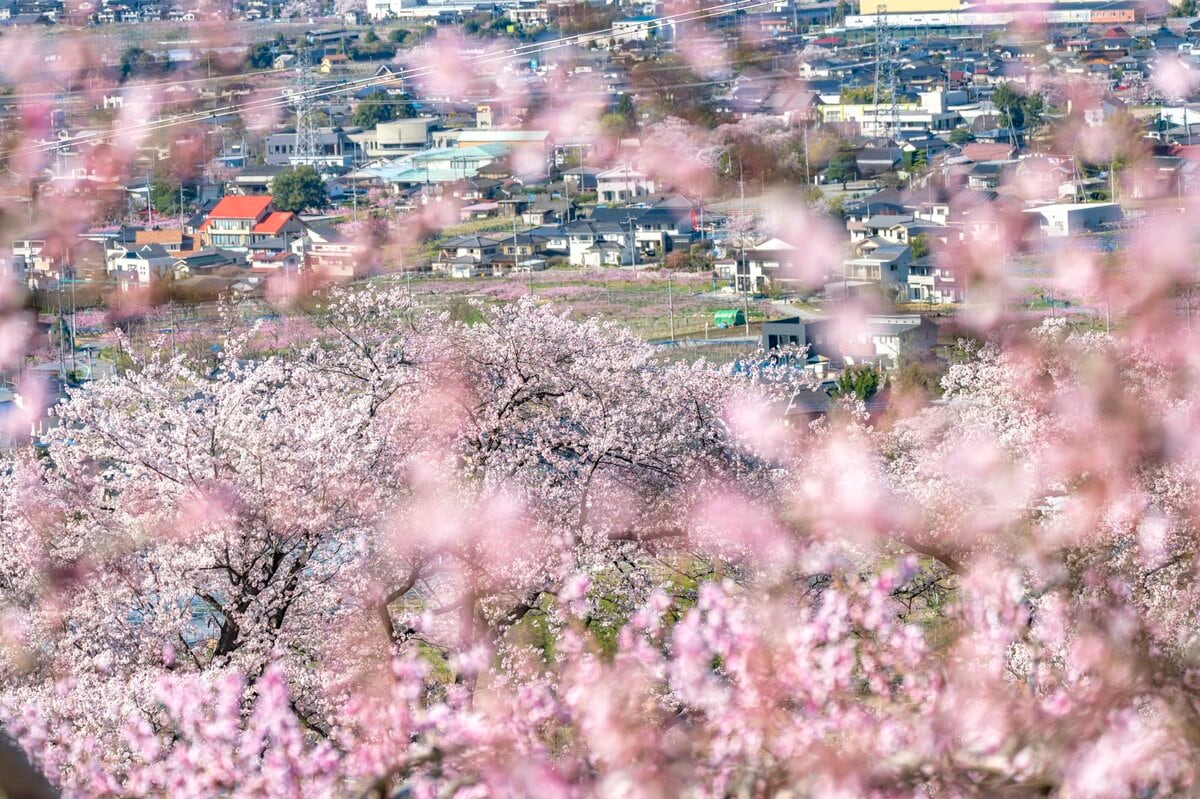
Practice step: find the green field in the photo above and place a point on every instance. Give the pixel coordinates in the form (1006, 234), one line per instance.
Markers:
(641, 301)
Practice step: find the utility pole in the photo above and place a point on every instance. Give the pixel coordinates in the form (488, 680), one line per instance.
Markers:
(742, 237)
(567, 193)
(745, 265)
(632, 240)
(74, 326)
(515, 240)
(62, 329)
(807, 171)
(671, 306)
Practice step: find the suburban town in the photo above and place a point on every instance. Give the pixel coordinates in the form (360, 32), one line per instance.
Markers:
(640, 398)
(914, 130)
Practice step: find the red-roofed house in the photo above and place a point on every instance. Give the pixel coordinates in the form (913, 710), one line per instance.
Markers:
(278, 223)
(988, 151)
(236, 223)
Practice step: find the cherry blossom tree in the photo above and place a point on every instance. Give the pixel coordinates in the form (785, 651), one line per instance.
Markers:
(369, 550)
(231, 519)
(523, 556)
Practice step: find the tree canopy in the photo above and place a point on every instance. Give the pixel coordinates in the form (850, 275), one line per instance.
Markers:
(522, 541)
(379, 107)
(261, 55)
(299, 188)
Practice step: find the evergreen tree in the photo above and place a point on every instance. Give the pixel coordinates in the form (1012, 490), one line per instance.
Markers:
(299, 189)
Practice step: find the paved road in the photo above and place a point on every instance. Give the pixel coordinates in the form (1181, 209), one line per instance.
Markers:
(706, 342)
(794, 310)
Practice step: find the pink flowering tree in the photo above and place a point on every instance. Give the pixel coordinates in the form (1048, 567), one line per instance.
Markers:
(368, 550)
(522, 556)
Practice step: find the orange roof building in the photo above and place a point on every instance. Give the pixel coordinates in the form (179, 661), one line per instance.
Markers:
(274, 224)
(236, 223)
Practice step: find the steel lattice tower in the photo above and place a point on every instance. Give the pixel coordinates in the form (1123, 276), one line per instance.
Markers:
(304, 88)
(885, 71)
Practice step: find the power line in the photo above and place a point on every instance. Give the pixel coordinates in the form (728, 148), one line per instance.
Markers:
(242, 76)
(286, 98)
(31, 96)
(596, 93)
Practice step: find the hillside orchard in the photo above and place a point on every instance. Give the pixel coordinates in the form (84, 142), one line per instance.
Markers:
(522, 557)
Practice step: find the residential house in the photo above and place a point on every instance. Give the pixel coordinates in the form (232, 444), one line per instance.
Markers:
(623, 184)
(603, 253)
(255, 179)
(987, 174)
(142, 264)
(889, 227)
(884, 263)
(332, 255)
(333, 62)
(390, 77)
(479, 210)
(530, 12)
(1070, 219)
(872, 161)
(768, 264)
(882, 339)
(521, 247)
(461, 250)
(171, 240)
(657, 229)
(581, 178)
(934, 283)
(989, 151)
(33, 255)
(929, 113)
(275, 261)
(237, 223)
(206, 261)
(596, 243)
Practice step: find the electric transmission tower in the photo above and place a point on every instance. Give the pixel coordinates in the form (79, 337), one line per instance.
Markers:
(304, 88)
(885, 72)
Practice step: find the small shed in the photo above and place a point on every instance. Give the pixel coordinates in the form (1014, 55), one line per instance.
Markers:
(729, 317)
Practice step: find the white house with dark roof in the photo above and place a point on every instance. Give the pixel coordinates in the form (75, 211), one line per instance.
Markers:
(886, 263)
(141, 264)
